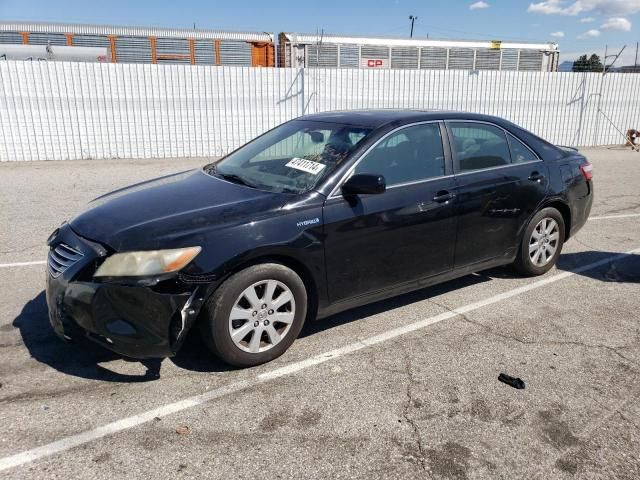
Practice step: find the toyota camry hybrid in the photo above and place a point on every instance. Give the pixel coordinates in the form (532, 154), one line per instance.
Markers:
(320, 214)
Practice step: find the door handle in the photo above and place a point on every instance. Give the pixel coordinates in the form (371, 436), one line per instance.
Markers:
(443, 196)
(536, 177)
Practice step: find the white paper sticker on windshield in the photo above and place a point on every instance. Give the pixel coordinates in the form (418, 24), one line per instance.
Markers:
(308, 166)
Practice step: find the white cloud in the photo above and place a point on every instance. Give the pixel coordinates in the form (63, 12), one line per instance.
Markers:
(603, 7)
(549, 7)
(478, 5)
(617, 23)
(593, 33)
(586, 20)
(557, 34)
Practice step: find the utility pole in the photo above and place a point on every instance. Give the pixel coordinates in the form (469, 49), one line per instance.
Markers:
(413, 18)
(615, 58)
(635, 64)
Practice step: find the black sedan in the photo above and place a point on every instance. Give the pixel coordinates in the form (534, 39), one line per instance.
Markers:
(320, 214)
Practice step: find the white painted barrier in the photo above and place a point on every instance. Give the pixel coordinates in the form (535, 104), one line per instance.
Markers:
(62, 110)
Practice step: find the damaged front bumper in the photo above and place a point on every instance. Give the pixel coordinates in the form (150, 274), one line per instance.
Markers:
(135, 320)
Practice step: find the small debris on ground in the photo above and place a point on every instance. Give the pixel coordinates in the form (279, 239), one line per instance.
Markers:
(612, 274)
(183, 430)
(512, 381)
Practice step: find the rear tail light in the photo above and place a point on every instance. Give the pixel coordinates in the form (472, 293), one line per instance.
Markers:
(587, 170)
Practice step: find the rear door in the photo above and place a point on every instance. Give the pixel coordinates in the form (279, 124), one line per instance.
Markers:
(406, 233)
(501, 182)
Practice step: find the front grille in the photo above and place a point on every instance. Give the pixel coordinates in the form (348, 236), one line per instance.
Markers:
(61, 258)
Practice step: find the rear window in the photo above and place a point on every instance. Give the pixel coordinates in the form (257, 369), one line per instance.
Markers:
(520, 153)
(542, 148)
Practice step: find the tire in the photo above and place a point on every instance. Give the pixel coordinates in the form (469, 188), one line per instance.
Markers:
(259, 334)
(536, 256)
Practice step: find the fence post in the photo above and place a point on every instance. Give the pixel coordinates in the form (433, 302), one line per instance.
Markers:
(596, 133)
(301, 75)
(582, 108)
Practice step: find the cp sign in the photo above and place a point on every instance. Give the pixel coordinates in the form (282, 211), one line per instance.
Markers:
(373, 62)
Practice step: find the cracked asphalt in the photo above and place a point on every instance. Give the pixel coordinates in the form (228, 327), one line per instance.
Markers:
(426, 404)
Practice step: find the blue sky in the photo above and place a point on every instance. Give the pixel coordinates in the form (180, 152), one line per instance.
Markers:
(583, 26)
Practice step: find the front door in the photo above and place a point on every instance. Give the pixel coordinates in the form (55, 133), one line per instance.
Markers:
(408, 232)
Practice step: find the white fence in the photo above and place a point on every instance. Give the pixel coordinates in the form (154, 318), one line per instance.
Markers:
(79, 110)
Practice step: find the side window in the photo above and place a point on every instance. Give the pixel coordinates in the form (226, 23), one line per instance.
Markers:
(411, 154)
(479, 146)
(519, 152)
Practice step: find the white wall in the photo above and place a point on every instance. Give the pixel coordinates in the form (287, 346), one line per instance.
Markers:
(561, 107)
(60, 110)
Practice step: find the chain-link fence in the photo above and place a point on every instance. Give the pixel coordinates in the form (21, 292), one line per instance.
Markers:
(61, 110)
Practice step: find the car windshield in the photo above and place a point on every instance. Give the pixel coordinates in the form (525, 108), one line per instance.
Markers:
(291, 158)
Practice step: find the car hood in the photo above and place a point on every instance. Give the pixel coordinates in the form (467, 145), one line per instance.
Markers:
(171, 211)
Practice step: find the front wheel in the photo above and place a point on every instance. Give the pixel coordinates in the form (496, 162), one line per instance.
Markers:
(255, 315)
(541, 243)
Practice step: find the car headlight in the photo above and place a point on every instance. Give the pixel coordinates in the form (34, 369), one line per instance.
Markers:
(154, 262)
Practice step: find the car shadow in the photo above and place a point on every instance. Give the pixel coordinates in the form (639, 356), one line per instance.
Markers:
(392, 303)
(194, 355)
(83, 358)
(624, 270)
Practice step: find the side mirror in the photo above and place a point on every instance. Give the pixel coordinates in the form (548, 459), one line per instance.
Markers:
(364, 183)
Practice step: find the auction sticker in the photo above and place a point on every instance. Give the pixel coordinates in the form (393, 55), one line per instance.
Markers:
(308, 166)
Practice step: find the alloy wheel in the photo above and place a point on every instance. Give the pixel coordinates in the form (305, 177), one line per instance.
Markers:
(262, 316)
(544, 241)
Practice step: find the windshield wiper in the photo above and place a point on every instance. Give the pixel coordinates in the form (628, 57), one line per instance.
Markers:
(232, 177)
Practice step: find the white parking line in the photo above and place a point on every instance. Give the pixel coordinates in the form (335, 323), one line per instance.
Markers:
(607, 217)
(72, 441)
(22, 264)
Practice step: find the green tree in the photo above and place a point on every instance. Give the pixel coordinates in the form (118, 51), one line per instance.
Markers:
(588, 64)
(595, 64)
(581, 64)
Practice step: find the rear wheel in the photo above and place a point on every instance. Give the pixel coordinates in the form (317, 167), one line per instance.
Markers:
(541, 243)
(255, 315)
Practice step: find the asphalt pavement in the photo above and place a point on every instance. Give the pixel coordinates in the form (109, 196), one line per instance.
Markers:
(404, 388)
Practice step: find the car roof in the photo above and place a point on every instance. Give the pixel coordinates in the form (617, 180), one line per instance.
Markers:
(377, 118)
